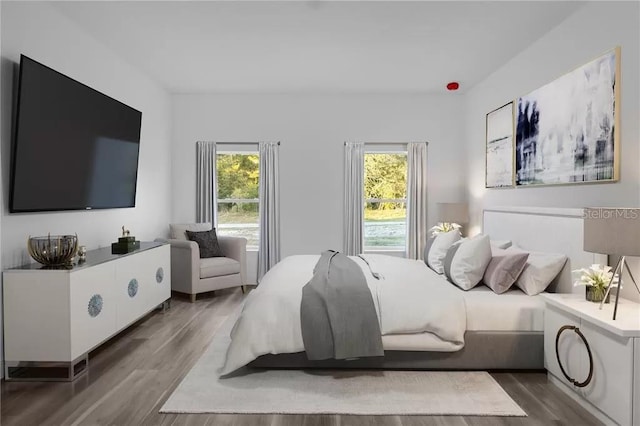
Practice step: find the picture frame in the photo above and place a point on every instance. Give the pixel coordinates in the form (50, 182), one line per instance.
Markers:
(568, 131)
(499, 151)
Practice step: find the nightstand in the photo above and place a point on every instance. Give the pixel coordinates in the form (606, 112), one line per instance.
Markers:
(592, 358)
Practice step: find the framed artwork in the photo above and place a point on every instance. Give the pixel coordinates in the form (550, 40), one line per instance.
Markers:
(568, 131)
(499, 149)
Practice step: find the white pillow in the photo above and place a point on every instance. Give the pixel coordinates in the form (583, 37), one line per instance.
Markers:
(466, 261)
(541, 269)
(438, 250)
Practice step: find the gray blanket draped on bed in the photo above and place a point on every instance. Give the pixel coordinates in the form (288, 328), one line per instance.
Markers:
(337, 313)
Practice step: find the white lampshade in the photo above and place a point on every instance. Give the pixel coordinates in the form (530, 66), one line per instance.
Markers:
(453, 213)
(612, 231)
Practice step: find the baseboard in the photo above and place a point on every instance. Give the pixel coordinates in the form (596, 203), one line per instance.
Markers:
(583, 403)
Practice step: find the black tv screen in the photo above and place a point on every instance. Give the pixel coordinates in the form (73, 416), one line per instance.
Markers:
(74, 148)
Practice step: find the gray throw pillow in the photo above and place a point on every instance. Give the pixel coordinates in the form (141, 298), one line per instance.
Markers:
(504, 269)
(207, 242)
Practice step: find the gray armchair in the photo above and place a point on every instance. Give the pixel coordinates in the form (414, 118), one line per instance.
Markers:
(192, 275)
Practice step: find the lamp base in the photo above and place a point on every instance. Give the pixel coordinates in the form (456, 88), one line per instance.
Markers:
(619, 269)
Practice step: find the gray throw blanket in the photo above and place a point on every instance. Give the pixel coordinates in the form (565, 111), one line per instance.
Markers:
(337, 312)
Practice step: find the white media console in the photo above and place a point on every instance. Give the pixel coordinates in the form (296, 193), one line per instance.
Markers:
(54, 317)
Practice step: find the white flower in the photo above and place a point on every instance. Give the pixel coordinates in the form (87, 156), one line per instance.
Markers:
(442, 227)
(595, 276)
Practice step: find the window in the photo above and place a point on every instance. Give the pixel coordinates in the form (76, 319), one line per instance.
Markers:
(385, 200)
(238, 205)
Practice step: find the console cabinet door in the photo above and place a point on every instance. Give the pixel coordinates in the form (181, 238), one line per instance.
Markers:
(142, 283)
(92, 306)
(161, 274)
(571, 350)
(611, 386)
(132, 295)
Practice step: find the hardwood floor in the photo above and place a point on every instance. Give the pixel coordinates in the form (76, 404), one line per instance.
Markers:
(131, 376)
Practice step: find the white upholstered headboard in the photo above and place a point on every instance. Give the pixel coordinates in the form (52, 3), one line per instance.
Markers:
(552, 230)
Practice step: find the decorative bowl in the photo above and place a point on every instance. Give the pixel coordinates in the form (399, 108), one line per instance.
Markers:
(53, 250)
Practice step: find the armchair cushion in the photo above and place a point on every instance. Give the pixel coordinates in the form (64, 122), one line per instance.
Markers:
(207, 243)
(218, 266)
(177, 230)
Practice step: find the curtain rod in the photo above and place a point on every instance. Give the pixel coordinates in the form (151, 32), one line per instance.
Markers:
(388, 143)
(237, 143)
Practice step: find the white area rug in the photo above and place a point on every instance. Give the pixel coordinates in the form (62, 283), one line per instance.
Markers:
(357, 392)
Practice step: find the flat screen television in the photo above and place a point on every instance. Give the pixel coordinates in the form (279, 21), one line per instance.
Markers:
(74, 148)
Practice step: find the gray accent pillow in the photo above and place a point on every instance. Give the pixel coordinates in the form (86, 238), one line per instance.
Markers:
(504, 269)
(467, 260)
(438, 249)
(207, 242)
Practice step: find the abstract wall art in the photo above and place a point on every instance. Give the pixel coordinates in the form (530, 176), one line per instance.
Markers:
(499, 154)
(568, 130)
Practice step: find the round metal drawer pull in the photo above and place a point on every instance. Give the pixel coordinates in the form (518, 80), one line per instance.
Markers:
(95, 305)
(132, 288)
(159, 275)
(586, 344)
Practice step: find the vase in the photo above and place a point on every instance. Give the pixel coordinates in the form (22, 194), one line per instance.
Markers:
(596, 294)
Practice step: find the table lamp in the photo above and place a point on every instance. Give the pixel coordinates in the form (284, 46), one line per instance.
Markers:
(613, 231)
(452, 216)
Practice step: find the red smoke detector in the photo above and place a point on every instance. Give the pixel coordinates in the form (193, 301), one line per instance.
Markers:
(453, 86)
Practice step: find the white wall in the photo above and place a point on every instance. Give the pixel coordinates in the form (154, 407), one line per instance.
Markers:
(312, 129)
(592, 30)
(39, 31)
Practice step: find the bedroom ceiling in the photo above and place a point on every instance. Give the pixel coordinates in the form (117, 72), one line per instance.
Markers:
(318, 47)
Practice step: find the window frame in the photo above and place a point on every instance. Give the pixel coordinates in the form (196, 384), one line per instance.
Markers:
(378, 249)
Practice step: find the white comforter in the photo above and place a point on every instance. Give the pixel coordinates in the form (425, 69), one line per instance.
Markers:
(409, 298)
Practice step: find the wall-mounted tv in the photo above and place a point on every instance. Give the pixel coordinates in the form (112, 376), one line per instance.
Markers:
(74, 147)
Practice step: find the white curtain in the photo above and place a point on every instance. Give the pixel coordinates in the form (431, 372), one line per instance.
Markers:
(416, 199)
(206, 185)
(353, 220)
(269, 193)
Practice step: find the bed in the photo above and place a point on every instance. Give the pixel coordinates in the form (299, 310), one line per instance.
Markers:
(499, 331)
